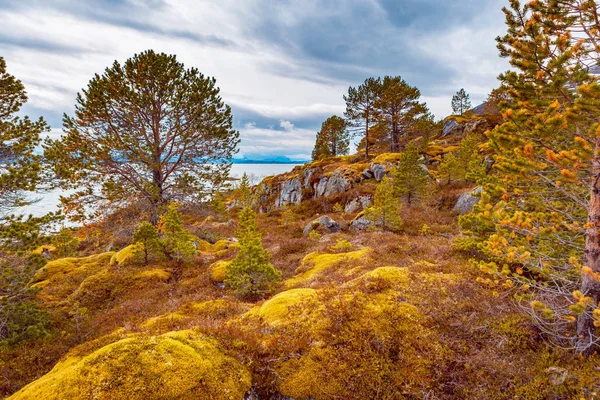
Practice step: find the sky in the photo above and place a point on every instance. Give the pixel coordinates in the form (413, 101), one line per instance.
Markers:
(282, 65)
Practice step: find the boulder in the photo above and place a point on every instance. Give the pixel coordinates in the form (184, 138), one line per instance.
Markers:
(362, 223)
(379, 171)
(324, 222)
(308, 174)
(357, 204)
(466, 201)
(367, 174)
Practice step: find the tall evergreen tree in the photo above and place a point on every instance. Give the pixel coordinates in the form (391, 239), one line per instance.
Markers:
(250, 274)
(19, 165)
(461, 102)
(243, 193)
(148, 130)
(332, 140)
(538, 221)
(398, 107)
(360, 108)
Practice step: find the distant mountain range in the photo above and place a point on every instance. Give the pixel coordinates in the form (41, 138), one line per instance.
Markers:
(271, 160)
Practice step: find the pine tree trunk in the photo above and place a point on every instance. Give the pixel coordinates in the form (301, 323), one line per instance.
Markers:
(367, 138)
(586, 331)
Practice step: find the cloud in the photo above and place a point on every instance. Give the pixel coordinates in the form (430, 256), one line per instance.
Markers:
(274, 61)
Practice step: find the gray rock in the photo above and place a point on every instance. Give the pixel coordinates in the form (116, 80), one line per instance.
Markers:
(450, 127)
(290, 192)
(379, 171)
(357, 204)
(466, 201)
(362, 223)
(308, 174)
(367, 174)
(334, 184)
(324, 221)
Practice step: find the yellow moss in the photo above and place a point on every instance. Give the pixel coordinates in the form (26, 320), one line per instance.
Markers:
(220, 245)
(387, 158)
(291, 306)
(202, 245)
(392, 275)
(163, 321)
(50, 248)
(316, 263)
(175, 365)
(63, 266)
(95, 288)
(126, 255)
(158, 274)
(218, 270)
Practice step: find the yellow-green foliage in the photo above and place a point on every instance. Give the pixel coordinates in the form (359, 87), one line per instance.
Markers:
(95, 288)
(291, 306)
(202, 245)
(341, 246)
(157, 274)
(221, 245)
(127, 256)
(316, 263)
(60, 278)
(183, 365)
(218, 270)
(387, 158)
(370, 340)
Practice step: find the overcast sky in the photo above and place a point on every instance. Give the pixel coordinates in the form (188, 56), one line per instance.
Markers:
(282, 65)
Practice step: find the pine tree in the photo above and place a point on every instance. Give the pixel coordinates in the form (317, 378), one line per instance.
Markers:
(360, 108)
(20, 167)
(461, 102)
(537, 224)
(386, 207)
(243, 193)
(147, 235)
(332, 140)
(148, 130)
(250, 274)
(450, 169)
(410, 179)
(177, 243)
(398, 107)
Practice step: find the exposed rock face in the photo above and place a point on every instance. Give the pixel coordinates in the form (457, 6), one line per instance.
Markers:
(454, 128)
(334, 184)
(357, 204)
(449, 127)
(289, 192)
(466, 201)
(325, 222)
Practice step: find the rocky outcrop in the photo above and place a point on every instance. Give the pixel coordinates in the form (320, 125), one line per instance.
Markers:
(462, 126)
(290, 192)
(325, 223)
(334, 184)
(362, 223)
(466, 201)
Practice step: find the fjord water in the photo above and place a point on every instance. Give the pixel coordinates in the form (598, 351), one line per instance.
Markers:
(49, 201)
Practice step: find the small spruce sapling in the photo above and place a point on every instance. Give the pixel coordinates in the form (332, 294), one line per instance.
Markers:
(147, 236)
(177, 243)
(250, 273)
(410, 179)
